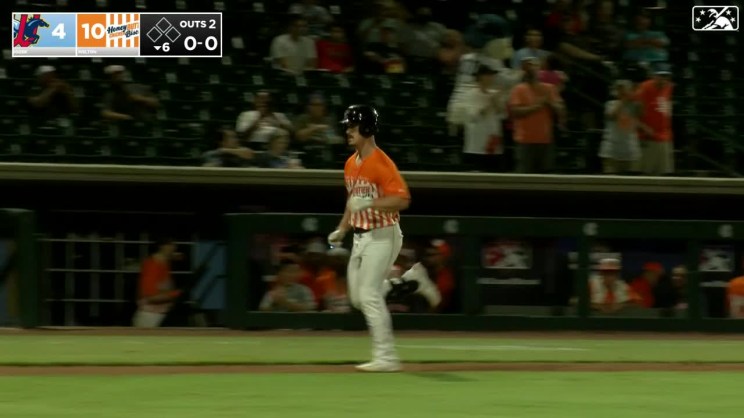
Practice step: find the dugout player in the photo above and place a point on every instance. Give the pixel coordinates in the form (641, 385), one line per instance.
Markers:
(376, 194)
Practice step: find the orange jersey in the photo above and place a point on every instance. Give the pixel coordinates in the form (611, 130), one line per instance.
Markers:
(155, 277)
(657, 109)
(375, 176)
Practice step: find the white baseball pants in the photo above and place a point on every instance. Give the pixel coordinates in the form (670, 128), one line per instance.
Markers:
(372, 257)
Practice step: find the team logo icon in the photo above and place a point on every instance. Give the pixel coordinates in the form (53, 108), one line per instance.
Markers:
(26, 30)
(715, 18)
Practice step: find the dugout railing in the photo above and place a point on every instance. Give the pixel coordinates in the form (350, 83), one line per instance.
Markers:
(471, 231)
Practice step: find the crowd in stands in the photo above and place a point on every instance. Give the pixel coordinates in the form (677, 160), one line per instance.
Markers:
(516, 85)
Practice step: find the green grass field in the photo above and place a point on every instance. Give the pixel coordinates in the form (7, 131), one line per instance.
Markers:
(472, 394)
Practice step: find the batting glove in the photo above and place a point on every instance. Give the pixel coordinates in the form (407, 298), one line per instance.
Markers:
(336, 238)
(357, 204)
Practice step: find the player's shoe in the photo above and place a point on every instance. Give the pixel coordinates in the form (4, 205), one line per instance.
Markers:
(426, 287)
(379, 366)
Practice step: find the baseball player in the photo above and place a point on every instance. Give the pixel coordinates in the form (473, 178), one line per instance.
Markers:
(376, 194)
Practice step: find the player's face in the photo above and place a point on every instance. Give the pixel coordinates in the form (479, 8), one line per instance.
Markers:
(353, 136)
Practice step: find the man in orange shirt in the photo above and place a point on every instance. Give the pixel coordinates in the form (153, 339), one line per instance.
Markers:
(157, 293)
(657, 148)
(376, 194)
(533, 106)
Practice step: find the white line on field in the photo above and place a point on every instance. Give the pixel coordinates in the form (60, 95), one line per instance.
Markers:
(492, 348)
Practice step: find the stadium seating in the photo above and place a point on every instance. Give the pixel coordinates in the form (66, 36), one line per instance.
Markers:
(194, 92)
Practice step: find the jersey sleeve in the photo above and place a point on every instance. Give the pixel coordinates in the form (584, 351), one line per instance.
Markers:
(392, 182)
(517, 97)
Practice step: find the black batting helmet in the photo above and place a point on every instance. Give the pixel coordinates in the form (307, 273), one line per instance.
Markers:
(364, 116)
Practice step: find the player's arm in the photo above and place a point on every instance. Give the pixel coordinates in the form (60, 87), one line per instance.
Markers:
(396, 196)
(42, 99)
(343, 226)
(111, 115)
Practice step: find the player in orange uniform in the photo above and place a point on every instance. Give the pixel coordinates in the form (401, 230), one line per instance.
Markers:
(376, 194)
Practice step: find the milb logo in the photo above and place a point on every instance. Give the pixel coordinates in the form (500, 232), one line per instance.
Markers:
(715, 18)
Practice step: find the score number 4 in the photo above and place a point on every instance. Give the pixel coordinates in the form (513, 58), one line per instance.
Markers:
(59, 31)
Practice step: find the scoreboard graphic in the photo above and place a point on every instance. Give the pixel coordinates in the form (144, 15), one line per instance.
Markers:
(174, 35)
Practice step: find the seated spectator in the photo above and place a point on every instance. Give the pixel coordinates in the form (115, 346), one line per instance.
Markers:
(228, 153)
(608, 292)
(483, 147)
(125, 101)
(533, 40)
(277, 153)
(573, 47)
(51, 98)
(423, 36)
(287, 295)
(644, 286)
(317, 16)
(451, 49)
(332, 281)
(315, 126)
(257, 126)
(604, 36)
(157, 294)
(552, 73)
(387, 14)
(334, 52)
(294, 52)
(620, 148)
(643, 44)
(385, 56)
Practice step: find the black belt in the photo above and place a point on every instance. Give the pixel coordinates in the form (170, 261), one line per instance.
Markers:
(361, 231)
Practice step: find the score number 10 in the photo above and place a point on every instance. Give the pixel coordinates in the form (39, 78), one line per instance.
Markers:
(190, 43)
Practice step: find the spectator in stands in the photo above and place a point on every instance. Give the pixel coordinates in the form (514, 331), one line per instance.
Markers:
(423, 38)
(608, 293)
(534, 106)
(533, 41)
(552, 73)
(450, 51)
(484, 148)
(332, 281)
(287, 295)
(259, 125)
(277, 153)
(645, 286)
(605, 37)
(620, 147)
(334, 52)
(575, 48)
(157, 294)
(315, 126)
(643, 44)
(317, 16)
(563, 13)
(51, 98)
(657, 147)
(228, 153)
(385, 56)
(294, 51)
(125, 101)
(388, 14)
(490, 38)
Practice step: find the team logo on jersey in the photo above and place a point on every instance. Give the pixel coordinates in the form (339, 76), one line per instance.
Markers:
(26, 28)
(715, 18)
